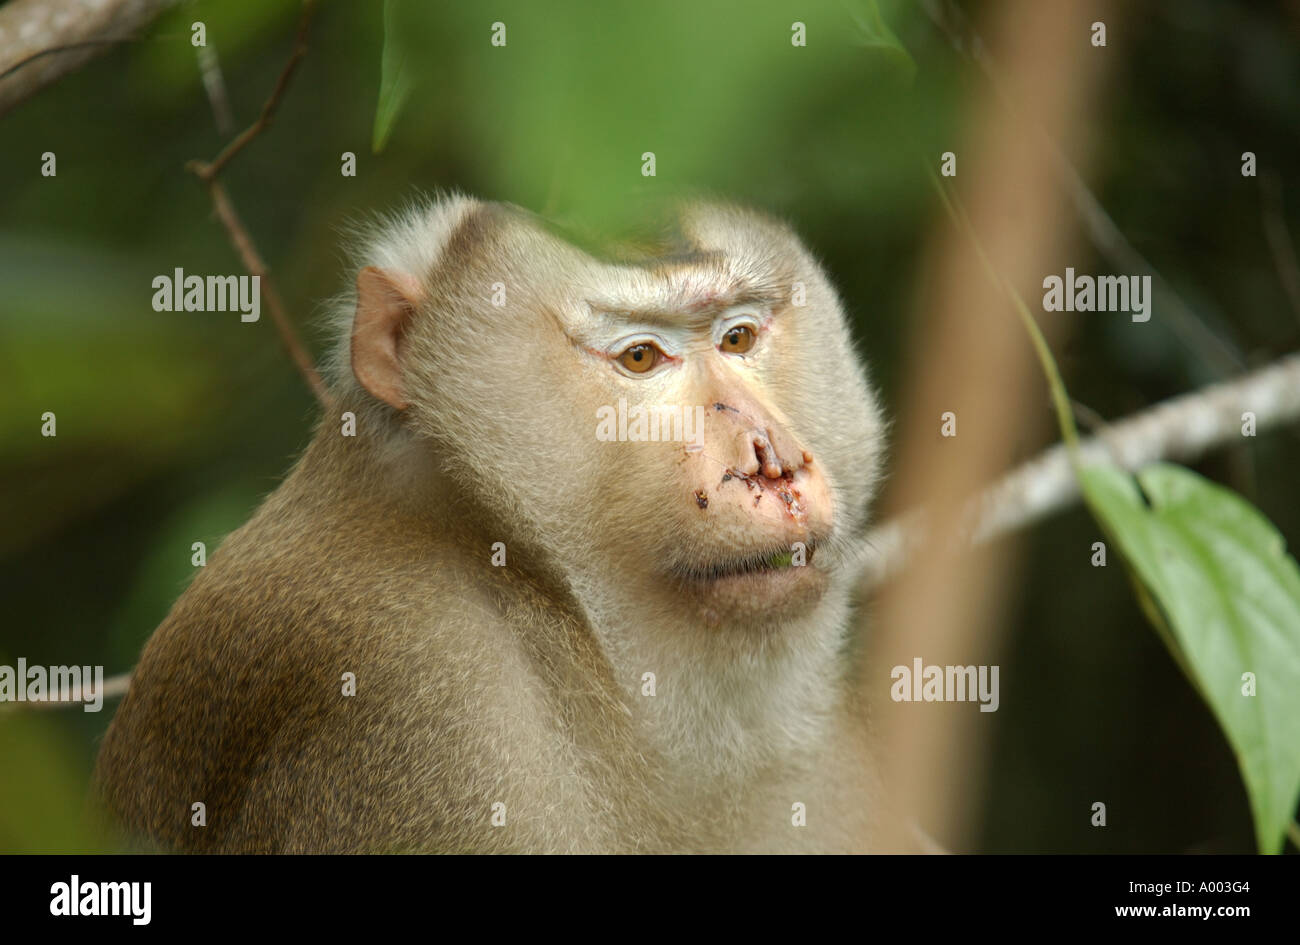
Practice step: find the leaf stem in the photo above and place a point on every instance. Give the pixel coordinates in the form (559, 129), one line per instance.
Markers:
(1060, 397)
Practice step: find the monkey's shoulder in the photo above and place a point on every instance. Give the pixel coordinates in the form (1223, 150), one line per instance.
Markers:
(303, 713)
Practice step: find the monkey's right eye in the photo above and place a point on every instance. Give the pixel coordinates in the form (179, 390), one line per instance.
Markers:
(640, 357)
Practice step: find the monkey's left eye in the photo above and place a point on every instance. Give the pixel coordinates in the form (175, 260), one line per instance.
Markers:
(640, 357)
(737, 339)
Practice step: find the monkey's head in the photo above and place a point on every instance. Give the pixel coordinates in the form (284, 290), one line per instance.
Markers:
(683, 435)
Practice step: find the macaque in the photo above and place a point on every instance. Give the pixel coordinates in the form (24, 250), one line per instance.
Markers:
(558, 640)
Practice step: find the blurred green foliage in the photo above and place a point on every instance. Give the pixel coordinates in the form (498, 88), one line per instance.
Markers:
(42, 804)
(173, 425)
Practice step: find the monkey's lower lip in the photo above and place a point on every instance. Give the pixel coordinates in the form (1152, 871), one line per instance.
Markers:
(761, 587)
(763, 563)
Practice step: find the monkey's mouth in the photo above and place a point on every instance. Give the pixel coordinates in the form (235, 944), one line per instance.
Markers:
(766, 562)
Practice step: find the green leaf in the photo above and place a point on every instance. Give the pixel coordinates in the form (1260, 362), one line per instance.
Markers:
(1230, 596)
(874, 33)
(395, 80)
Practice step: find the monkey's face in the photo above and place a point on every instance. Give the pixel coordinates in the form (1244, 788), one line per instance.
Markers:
(735, 503)
(692, 426)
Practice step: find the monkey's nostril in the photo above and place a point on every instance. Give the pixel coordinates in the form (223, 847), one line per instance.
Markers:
(768, 461)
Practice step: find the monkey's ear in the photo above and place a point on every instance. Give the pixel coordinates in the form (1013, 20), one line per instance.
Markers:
(386, 300)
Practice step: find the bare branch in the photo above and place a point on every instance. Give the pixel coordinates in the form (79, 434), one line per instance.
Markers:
(209, 171)
(43, 40)
(114, 687)
(243, 243)
(240, 239)
(1183, 428)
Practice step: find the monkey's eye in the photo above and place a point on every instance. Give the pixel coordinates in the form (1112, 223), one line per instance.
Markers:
(737, 339)
(640, 357)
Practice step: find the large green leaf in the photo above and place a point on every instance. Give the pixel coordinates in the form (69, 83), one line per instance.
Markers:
(1229, 594)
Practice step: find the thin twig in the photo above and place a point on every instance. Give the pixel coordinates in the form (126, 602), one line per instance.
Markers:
(1279, 239)
(243, 244)
(1060, 399)
(114, 687)
(1105, 234)
(1087, 417)
(240, 239)
(211, 169)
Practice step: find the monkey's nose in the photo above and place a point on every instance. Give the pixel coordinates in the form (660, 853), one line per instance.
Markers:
(756, 444)
(770, 462)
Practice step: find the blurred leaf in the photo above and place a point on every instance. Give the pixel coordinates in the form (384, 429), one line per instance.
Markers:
(1230, 595)
(877, 37)
(395, 81)
(561, 114)
(132, 389)
(166, 68)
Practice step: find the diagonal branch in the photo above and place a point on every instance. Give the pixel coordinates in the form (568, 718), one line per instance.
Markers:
(1182, 428)
(209, 171)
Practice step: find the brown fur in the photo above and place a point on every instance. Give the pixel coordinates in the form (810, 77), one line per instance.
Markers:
(519, 684)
